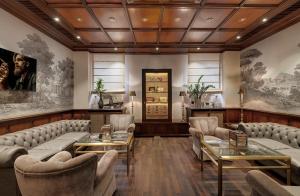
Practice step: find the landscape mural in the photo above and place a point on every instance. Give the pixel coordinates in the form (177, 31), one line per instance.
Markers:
(269, 86)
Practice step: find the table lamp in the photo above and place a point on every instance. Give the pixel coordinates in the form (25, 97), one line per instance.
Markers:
(182, 94)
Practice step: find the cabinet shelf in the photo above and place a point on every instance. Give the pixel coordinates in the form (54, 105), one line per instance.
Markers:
(156, 92)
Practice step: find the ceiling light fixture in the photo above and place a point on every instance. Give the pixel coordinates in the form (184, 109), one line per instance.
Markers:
(79, 19)
(177, 19)
(56, 19)
(78, 37)
(157, 48)
(184, 9)
(198, 48)
(243, 19)
(145, 19)
(116, 49)
(238, 37)
(112, 19)
(264, 20)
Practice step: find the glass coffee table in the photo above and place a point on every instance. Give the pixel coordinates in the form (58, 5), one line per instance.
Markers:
(219, 151)
(123, 143)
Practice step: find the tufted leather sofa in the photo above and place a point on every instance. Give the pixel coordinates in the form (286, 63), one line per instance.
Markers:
(282, 138)
(40, 142)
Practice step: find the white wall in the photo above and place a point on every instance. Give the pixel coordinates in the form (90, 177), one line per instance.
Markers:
(178, 64)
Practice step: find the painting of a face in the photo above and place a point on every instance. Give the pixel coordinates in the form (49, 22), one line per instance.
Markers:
(20, 64)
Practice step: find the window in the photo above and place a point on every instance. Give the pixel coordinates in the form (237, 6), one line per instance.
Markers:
(111, 71)
(207, 65)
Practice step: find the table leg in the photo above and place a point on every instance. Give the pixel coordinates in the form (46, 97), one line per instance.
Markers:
(288, 173)
(220, 176)
(128, 151)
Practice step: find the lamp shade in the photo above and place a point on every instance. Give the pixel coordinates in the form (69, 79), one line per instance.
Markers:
(182, 94)
(132, 94)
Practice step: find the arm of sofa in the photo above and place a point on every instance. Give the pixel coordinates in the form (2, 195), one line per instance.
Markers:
(131, 128)
(196, 132)
(105, 164)
(8, 155)
(61, 156)
(222, 133)
(262, 184)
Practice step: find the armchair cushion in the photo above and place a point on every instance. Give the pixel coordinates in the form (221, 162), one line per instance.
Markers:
(120, 122)
(61, 156)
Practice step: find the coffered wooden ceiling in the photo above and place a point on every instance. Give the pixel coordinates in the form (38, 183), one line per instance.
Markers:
(142, 26)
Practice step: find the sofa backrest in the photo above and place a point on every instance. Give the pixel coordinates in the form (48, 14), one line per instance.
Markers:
(282, 133)
(120, 121)
(35, 136)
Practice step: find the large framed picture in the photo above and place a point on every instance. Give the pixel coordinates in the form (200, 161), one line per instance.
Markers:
(17, 71)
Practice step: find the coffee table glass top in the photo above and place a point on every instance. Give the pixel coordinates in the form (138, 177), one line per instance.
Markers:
(221, 148)
(114, 138)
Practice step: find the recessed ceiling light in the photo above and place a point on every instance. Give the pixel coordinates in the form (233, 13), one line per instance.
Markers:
(209, 19)
(79, 19)
(177, 19)
(198, 48)
(264, 20)
(184, 9)
(56, 19)
(116, 49)
(243, 19)
(157, 48)
(238, 37)
(112, 19)
(145, 19)
(78, 37)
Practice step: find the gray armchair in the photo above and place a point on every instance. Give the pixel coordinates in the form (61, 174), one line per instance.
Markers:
(206, 128)
(122, 123)
(263, 185)
(64, 175)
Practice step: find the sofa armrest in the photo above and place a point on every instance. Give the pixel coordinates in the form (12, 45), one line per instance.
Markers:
(61, 156)
(131, 127)
(196, 132)
(262, 184)
(222, 133)
(106, 163)
(8, 155)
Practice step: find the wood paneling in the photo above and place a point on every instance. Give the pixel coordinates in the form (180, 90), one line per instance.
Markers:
(55, 117)
(221, 36)
(144, 17)
(225, 1)
(111, 17)
(195, 36)
(93, 36)
(150, 36)
(177, 17)
(268, 2)
(245, 17)
(210, 18)
(121, 36)
(63, 1)
(41, 121)
(167, 36)
(20, 126)
(77, 17)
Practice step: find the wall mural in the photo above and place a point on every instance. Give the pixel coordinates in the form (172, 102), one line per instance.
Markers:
(280, 92)
(54, 83)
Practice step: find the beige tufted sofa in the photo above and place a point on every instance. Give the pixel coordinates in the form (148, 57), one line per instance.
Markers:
(40, 142)
(282, 138)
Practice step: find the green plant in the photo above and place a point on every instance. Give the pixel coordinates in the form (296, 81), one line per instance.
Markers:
(197, 90)
(100, 86)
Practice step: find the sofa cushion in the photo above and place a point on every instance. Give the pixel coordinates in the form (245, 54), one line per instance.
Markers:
(42, 154)
(73, 136)
(294, 154)
(272, 144)
(54, 144)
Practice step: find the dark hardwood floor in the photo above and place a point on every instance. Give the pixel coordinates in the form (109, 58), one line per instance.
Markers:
(167, 166)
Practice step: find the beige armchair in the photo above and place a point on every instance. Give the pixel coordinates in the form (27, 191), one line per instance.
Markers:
(263, 185)
(207, 129)
(122, 123)
(64, 175)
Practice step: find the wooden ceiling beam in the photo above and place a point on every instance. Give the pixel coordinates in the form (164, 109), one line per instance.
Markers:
(124, 3)
(193, 20)
(161, 16)
(94, 17)
(225, 20)
(269, 15)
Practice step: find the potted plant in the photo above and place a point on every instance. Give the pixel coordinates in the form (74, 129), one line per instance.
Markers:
(197, 90)
(100, 90)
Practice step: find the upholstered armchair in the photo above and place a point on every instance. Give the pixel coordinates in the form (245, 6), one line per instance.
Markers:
(122, 123)
(206, 128)
(64, 175)
(263, 185)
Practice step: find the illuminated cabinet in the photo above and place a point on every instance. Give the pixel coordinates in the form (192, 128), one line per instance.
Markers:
(157, 94)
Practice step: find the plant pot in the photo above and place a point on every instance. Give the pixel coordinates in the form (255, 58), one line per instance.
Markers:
(198, 103)
(100, 102)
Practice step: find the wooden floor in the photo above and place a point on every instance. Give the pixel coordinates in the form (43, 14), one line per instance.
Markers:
(168, 166)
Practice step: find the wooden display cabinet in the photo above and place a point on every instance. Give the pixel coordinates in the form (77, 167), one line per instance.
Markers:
(157, 94)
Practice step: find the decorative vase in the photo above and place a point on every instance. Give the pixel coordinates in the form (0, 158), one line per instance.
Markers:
(100, 103)
(198, 103)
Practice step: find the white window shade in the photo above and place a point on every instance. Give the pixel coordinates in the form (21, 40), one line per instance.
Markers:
(209, 67)
(111, 71)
